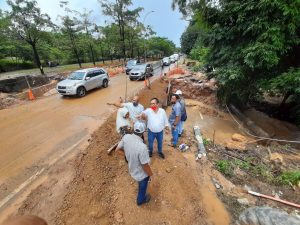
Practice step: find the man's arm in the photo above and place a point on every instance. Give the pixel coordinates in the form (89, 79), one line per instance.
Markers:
(119, 104)
(147, 169)
(120, 152)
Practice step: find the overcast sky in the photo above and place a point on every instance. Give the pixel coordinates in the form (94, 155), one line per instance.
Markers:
(164, 21)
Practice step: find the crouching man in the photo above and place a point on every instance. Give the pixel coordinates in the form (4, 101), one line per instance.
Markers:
(136, 153)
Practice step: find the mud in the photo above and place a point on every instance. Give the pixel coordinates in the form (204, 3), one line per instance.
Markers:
(103, 192)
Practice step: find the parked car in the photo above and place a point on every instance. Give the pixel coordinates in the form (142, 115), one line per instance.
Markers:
(176, 56)
(166, 61)
(141, 71)
(81, 81)
(172, 59)
(130, 64)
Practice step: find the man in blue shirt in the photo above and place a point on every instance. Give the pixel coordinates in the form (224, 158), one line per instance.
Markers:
(174, 118)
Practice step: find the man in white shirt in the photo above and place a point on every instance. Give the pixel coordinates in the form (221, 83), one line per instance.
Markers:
(134, 107)
(157, 121)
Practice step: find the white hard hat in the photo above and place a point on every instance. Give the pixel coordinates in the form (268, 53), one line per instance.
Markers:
(178, 92)
(139, 127)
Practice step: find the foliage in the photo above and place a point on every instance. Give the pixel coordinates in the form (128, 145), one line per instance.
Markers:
(289, 177)
(162, 46)
(10, 65)
(254, 45)
(242, 164)
(225, 167)
(28, 24)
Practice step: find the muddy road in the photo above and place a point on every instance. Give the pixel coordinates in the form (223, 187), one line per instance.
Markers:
(34, 136)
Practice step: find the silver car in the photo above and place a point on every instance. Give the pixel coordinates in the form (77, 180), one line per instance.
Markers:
(81, 81)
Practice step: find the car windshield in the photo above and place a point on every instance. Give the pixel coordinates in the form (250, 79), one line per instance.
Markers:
(140, 67)
(131, 63)
(76, 76)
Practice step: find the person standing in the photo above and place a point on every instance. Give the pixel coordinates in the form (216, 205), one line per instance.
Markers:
(157, 121)
(174, 118)
(122, 121)
(134, 107)
(136, 152)
(183, 113)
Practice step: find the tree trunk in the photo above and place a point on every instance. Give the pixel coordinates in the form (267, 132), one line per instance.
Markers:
(37, 58)
(75, 49)
(92, 53)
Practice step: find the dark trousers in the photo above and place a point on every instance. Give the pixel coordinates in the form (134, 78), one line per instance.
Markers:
(141, 197)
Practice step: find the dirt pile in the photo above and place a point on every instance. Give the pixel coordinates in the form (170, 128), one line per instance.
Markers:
(196, 89)
(7, 100)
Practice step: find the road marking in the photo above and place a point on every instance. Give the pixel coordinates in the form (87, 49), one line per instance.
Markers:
(20, 188)
(35, 176)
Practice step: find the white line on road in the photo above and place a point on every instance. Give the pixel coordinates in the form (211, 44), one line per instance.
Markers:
(35, 176)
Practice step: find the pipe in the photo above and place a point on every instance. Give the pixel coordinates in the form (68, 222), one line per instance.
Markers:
(274, 199)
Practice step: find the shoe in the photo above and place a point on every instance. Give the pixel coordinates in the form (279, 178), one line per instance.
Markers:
(148, 197)
(161, 155)
(150, 154)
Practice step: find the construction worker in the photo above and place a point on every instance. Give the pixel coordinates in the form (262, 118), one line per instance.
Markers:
(134, 107)
(157, 122)
(136, 152)
(174, 118)
(183, 112)
(123, 121)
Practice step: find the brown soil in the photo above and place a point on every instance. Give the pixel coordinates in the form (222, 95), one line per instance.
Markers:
(102, 191)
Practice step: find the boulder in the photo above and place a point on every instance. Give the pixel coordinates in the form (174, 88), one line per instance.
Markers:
(266, 216)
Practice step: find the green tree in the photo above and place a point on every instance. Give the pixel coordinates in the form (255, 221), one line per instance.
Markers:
(29, 24)
(121, 14)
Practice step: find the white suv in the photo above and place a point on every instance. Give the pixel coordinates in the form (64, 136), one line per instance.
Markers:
(81, 81)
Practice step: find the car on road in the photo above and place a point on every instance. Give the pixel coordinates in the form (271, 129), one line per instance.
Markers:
(130, 64)
(81, 81)
(172, 59)
(141, 71)
(166, 61)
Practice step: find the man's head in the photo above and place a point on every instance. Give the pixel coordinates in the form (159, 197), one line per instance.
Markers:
(174, 98)
(138, 128)
(135, 100)
(26, 220)
(154, 103)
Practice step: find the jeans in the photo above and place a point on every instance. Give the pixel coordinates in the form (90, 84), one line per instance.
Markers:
(159, 137)
(180, 127)
(141, 197)
(175, 135)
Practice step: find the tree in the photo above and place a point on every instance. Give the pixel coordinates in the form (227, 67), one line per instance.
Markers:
(161, 46)
(88, 28)
(121, 15)
(29, 24)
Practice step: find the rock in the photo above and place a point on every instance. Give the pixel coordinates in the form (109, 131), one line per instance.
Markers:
(119, 217)
(266, 216)
(243, 201)
(238, 138)
(168, 170)
(276, 157)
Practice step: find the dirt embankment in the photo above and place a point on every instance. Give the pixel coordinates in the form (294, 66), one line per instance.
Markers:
(102, 191)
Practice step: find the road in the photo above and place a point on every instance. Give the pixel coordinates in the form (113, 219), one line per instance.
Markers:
(35, 135)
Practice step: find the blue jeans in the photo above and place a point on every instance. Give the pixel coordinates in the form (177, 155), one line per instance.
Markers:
(175, 135)
(141, 197)
(159, 137)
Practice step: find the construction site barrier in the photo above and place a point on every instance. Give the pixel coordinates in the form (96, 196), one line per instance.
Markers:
(174, 71)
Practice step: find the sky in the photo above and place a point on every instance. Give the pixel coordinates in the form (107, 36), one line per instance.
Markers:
(164, 21)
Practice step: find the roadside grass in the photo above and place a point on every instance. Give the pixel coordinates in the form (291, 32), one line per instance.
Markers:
(259, 171)
(58, 69)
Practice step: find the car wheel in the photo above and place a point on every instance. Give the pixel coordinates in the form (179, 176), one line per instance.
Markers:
(81, 92)
(131, 79)
(105, 83)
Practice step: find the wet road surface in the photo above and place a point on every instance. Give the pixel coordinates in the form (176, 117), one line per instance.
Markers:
(35, 135)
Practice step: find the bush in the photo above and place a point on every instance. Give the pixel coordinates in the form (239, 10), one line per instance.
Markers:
(225, 167)
(289, 177)
(7, 65)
